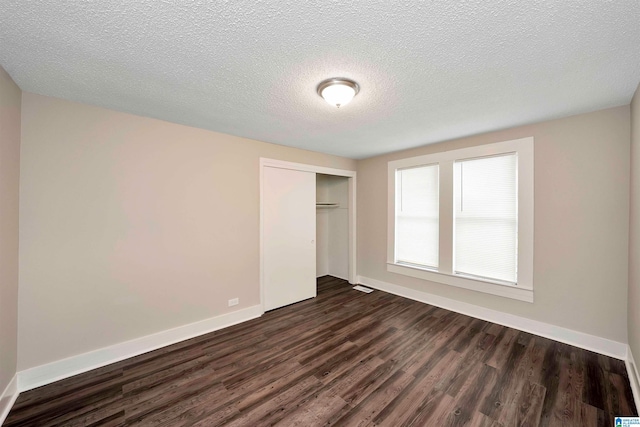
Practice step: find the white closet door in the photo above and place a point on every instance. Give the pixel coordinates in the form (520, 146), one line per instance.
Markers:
(289, 233)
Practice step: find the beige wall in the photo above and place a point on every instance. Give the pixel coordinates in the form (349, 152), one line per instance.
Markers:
(634, 232)
(581, 223)
(131, 226)
(10, 98)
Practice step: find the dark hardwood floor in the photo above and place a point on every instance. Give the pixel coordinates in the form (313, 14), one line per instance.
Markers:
(350, 359)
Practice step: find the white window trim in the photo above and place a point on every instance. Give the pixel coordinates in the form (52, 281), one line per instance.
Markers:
(523, 290)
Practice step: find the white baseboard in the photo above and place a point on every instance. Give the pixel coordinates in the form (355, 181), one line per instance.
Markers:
(60, 369)
(634, 376)
(600, 345)
(8, 398)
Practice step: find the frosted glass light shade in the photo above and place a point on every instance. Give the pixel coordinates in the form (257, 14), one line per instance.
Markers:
(338, 92)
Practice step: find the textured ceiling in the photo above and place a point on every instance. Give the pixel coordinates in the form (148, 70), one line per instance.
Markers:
(428, 70)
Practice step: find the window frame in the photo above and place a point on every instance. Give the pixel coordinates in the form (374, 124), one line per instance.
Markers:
(523, 289)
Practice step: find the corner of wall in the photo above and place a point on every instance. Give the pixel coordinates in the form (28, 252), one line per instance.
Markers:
(633, 290)
(8, 398)
(10, 141)
(634, 376)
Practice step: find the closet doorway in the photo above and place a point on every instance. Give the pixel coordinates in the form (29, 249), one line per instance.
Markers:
(332, 226)
(296, 246)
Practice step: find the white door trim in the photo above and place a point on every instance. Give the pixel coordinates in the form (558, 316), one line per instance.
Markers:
(273, 163)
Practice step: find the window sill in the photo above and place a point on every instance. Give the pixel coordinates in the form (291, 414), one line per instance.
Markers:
(506, 291)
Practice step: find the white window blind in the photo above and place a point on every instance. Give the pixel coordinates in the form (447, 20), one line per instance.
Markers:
(417, 211)
(486, 217)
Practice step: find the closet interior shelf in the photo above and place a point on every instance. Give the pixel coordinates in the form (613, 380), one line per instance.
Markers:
(326, 205)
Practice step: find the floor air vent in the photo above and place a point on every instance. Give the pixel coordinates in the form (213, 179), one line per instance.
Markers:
(362, 289)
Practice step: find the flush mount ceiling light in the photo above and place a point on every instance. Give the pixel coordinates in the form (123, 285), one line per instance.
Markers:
(338, 91)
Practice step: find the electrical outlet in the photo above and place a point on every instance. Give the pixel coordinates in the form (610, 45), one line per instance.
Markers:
(233, 302)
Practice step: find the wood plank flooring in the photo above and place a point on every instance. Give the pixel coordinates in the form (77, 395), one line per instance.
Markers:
(345, 358)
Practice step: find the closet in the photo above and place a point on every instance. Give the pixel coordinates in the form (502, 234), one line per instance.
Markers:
(332, 226)
(307, 229)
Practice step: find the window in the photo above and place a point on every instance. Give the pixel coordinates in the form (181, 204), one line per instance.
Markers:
(465, 218)
(485, 227)
(417, 216)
